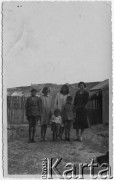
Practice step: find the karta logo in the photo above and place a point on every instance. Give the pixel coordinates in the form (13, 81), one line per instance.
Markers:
(50, 170)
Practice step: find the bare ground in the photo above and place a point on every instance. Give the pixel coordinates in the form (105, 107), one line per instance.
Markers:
(25, 158)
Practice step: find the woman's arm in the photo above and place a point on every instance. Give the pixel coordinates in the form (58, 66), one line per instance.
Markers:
(56, 101)
(63, 113)
(40, 105)
(51, 105)
(75, 100)
(86, 98)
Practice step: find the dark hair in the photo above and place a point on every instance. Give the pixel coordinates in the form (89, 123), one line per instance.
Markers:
(33, 90)
(69, 98)
(48, 90)
(81, 83)
(56, 111)
(44, 89)
(67, 91)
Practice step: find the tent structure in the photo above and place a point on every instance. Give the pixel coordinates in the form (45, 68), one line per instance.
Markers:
(102, 90)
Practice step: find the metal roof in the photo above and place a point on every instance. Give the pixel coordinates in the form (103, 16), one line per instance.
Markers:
(16, 93)
(101, 85)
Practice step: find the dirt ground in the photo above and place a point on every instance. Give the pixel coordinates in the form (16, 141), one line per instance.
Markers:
(25, 158)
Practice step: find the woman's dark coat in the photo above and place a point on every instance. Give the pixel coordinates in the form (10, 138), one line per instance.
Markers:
(80, 102)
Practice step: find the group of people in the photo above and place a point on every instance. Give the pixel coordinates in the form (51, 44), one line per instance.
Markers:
(60, 115)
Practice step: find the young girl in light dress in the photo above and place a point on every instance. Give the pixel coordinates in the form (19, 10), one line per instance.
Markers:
(56, 122)
(46, 112)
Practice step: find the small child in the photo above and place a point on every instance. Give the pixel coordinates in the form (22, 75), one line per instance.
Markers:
(68, 117)
(56, 122)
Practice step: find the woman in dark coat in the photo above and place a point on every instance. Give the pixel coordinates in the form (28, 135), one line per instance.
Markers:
(80, 101)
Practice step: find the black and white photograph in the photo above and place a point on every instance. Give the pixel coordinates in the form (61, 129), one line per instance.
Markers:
(57, 89)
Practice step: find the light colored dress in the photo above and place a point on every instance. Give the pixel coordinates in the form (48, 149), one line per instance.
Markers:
(60, 101)
(46, 109)
(56, 119)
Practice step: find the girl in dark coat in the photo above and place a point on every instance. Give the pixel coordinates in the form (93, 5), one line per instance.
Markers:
(80, 101)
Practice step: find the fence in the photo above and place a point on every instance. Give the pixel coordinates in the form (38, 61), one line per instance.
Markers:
(16, 109)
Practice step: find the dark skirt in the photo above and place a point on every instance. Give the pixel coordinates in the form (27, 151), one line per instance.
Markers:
(81, 121)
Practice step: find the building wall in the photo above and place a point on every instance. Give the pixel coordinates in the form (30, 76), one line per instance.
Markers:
(105, 107)
(99, 106)
(94, 107)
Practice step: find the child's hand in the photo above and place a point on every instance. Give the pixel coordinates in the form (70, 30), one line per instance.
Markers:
(62, 125)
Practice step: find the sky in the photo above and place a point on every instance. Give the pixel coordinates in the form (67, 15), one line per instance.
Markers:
(56, 42)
